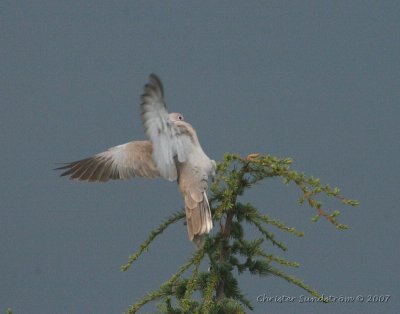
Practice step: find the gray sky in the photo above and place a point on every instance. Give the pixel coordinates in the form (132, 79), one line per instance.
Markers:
(316, 81)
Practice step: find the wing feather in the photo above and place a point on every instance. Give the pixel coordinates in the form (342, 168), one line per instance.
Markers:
(133, 159)
(169, 142)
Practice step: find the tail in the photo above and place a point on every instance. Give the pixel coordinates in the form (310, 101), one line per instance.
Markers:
(198, 218)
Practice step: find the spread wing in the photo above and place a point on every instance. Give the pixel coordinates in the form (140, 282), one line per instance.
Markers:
(169, 141)
(120, 162)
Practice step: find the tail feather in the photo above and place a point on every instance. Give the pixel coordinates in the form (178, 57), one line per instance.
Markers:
(198, 218)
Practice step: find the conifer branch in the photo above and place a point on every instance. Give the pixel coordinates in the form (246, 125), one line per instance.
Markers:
(193, 281)
(295, 281)
(268, 235)
(263, 166)
(211, 285)
(165, 290)
(228, 249)
(170, 287)
(153, 234)
(279, 260)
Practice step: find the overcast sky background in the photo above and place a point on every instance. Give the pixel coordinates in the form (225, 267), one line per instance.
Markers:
(317, 81)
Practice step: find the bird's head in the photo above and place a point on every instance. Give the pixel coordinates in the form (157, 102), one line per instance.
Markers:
(175, 117)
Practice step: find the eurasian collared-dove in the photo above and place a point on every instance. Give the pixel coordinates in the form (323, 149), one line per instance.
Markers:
(173, 152)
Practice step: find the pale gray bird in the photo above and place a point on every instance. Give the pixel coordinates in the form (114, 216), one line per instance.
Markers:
(173, 152)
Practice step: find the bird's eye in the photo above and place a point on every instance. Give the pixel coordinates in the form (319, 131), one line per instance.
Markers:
(180, 117)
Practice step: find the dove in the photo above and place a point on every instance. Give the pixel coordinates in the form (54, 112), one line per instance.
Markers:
(172, 151)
